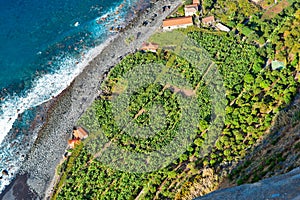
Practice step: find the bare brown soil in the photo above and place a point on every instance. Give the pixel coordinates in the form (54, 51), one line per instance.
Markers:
(273, 11)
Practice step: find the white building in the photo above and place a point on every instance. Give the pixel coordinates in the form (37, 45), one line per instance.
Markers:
(222, 27)
(190, 10)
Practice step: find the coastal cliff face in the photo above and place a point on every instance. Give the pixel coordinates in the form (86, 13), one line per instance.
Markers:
(284, 186)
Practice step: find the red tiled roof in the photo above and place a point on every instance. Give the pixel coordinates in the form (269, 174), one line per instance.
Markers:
(192, 10)
(73, 142)
(149, 46)
(177, 21)
(80, 133)
(194, 5)
(208, 19)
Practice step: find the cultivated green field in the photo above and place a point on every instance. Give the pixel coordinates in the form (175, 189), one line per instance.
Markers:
(253, 95)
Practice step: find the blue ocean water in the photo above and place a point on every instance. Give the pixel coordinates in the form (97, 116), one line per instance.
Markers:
(31, 26)
(42, 44)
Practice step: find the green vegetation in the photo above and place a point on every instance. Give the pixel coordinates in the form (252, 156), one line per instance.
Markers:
(266, 3)
(69, 168)
(180, 12)
(188, 2)
(278, 153)
(254, 94)
(277, 27)
(282, 31)
(230, 12)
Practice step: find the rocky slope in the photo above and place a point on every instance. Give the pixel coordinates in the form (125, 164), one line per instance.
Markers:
(286, 186)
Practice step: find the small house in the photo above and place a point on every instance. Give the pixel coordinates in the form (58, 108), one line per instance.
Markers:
(149, 46)
(179, 22)
(277, 65)
(208, 21)
(222, 27)
(80, 133)
(190, 10)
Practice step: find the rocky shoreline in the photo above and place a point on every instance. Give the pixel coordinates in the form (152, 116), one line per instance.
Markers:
(39, 168)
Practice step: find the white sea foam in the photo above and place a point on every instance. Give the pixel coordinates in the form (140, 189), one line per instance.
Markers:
(49, 85)
(43, 90)
(109, 19)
